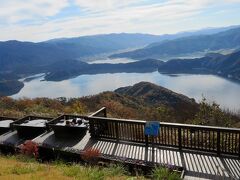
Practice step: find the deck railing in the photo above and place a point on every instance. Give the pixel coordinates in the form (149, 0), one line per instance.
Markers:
(183, 136)
(19, 121)
(100, 113)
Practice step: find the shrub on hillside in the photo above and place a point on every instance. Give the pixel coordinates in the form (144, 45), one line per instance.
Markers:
(212, 114)
(91, 156)
(29, 148)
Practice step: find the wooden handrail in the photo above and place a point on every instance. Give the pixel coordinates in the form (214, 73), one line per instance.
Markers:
(99, 112)
(19, 121)
(66, 116)
(167, 124)
(184, 136)
(116, 119)
(2, 118)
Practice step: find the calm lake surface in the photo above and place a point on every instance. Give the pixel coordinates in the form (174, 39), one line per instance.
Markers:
(214, 88)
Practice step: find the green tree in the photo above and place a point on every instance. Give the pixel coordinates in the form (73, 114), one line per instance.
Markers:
(211, 114)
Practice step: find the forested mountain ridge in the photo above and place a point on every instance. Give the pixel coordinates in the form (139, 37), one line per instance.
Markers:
(223, 65)
(159, 96)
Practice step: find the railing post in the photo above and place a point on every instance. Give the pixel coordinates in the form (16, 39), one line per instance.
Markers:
(91, 124)
(105, 112)
(146, 140)
(218, 143)
(180, 138)
(239, 144)
(117, 132)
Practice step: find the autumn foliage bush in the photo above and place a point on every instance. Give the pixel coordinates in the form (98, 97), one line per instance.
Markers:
(91, 156)
(29, 148)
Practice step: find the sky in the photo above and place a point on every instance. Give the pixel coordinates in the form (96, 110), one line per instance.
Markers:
(39, 20)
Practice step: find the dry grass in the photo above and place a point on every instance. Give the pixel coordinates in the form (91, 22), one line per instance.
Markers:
(12, 168)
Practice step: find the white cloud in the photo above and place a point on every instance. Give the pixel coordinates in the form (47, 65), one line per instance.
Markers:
(98, 5)
(16, 10)
(102, 16)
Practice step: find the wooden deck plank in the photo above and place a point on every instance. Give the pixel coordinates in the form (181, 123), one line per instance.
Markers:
(206, 165)
(179, 160)
(200, 165)
(233, 168)
(223, 173)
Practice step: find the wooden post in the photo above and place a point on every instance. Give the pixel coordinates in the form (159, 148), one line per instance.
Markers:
(105, 112)
(117, 132)
(239, 144)
(218, 143)
(153, 149)
(179, 138)
(146, 140)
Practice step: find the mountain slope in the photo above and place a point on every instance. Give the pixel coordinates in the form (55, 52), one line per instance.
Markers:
(25, 57)
(203, 43)
(159, 96)
(223, 65)
(10, 87)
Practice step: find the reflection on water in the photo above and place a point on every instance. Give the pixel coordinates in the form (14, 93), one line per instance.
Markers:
(212, 87)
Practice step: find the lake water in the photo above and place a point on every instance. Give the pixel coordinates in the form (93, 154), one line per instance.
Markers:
(214, 88)
(112, 61)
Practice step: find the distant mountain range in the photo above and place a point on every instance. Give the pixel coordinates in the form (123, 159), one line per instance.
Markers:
(24, 58)
(109, 43)
(229, 39)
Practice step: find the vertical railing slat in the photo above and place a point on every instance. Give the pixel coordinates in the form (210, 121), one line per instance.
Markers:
(180, 138)
(218, 143)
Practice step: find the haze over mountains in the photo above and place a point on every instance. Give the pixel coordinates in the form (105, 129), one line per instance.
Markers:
(229, 39)
(108, 43)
